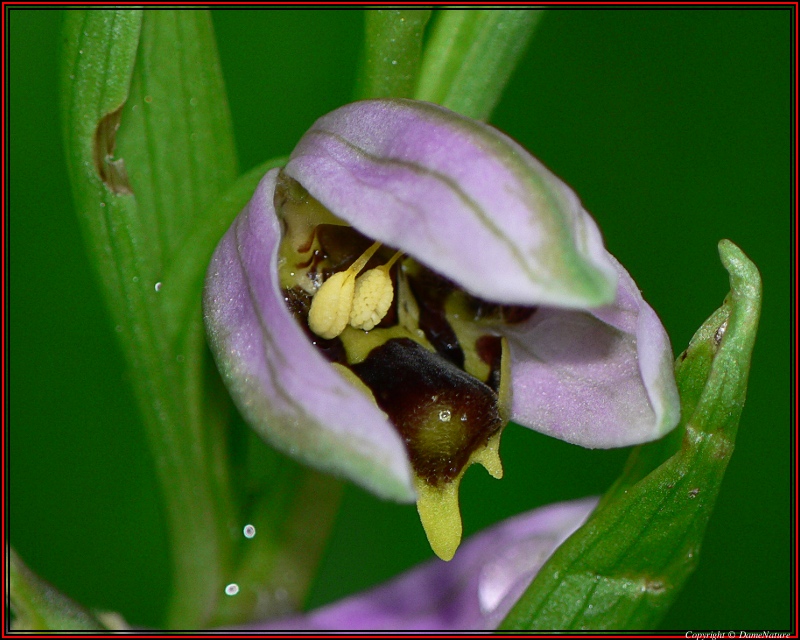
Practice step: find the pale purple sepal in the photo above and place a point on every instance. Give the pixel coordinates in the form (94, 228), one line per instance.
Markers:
(281, 384)
(474, 591)
(459, 196)
(600, 378)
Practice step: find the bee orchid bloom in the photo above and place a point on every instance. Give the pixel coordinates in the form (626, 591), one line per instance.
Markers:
(410, 282)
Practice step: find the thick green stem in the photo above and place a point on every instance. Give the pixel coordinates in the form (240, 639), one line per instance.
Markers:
(149, 147)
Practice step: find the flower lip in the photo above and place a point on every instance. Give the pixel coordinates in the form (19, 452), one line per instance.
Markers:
(460, 197)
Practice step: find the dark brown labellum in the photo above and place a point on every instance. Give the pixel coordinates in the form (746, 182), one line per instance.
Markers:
(442, 412)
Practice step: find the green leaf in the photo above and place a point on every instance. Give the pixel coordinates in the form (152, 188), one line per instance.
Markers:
(38, 606)
(626, 565)
(392, 52)
(471, 55)
(149, 149)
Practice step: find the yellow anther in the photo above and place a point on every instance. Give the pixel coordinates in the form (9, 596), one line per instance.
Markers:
(373, 296)
(333, 301)
(331, 306)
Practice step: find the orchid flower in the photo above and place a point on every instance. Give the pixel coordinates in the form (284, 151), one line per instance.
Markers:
(473, 592)
(407, 284)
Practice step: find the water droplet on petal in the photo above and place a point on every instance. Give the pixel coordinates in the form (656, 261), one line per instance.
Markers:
(232, 589)
(249, 531)
(157, 287)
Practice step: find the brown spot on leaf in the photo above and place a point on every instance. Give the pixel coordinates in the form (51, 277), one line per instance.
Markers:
(720, 332)
(111, 171)
(654, 586)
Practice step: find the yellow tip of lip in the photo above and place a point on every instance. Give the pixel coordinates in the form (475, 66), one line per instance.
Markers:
(440, 516)
(438, 507)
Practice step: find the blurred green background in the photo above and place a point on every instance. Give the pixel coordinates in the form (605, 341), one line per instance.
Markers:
(674, 127)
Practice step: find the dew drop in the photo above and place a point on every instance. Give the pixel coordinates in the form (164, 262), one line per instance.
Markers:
(249, 531)
(157, 287)
(232, 589)
(444, 415)
(136, 278)
(193, 102)
(148, 99)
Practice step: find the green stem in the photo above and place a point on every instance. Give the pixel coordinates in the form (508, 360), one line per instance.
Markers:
(392, 52)
(470, 57)
(149, 147)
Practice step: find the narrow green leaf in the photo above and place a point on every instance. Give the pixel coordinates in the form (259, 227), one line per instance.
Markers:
(149, 148)
(471, 55)
(392, 52)
(626, 565)
(38, 606)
